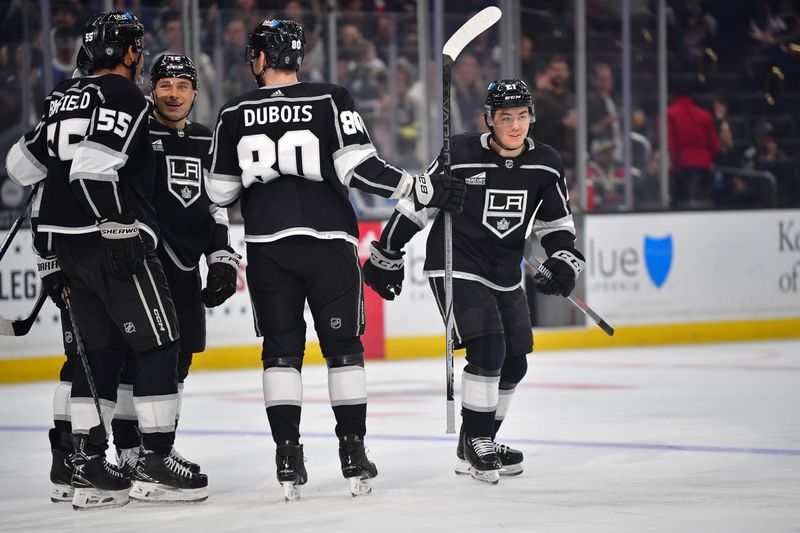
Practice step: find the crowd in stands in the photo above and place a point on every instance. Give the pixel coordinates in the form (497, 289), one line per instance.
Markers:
(734, 67)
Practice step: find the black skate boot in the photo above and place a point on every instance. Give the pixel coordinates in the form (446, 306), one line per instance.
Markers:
(510, 458)
(61, 468)
(161, 479)
(97, 483)
(291, 469)
(356, 467)
(126, 461)
(479, 453)
(194, 468)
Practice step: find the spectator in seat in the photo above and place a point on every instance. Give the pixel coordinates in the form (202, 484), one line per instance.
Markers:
(693, 143)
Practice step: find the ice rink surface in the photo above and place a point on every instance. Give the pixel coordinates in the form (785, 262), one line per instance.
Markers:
(680, 438)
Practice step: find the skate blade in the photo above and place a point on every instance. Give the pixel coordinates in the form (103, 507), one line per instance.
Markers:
(85, 499)
(462, 468)
(491, 477)
(143, 491)
(291, 491)
(360, 486)
(511, 470)
(61, 493)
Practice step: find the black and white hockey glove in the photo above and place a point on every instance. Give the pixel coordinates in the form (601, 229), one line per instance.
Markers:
(383, 271)
(563, 268)
(221, 281)
(53, 280)
(124, 247)
(438, 190)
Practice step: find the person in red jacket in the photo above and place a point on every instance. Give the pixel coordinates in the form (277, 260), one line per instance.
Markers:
(693, 142)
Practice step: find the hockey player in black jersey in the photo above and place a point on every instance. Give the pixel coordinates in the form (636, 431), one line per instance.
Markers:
(289, 151)
(515, 187)
(190, 226)
(93, 150)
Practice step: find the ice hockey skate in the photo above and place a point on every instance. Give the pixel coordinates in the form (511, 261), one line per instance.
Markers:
(480, 458)
(356, 466)
(193, 467)
(510, 458)
(61, 477)
(97, 483)
(291, 469)
(161, 479)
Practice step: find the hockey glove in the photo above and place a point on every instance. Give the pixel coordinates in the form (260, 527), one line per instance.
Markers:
(221, 281)
(53, 280)
(438, 190)
(383, 271)
(124, 246)
(563, 268)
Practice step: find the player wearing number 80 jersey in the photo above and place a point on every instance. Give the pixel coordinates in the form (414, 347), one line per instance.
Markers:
(290, 151)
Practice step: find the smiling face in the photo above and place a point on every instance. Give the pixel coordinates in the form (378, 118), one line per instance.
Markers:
(511, 125)
(173, 97)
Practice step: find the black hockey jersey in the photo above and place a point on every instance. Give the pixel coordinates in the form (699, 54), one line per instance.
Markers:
(291, 151)
(507, 199)
(190, 224)
(93, 149)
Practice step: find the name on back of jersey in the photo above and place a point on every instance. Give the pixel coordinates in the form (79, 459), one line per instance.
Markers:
(274, 113)
(70, 102)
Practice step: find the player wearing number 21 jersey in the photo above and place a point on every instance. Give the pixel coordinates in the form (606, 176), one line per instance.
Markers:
(289, 151)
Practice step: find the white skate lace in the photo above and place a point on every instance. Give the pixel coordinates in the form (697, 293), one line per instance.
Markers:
(178, 457)
(176, 467)
(500, 448)
(482, 446)
(128, 457)
(111, 469)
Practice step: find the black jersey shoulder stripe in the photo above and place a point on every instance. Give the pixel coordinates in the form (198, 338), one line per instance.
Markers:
(542, 167)
(474, 165)
(134, 129)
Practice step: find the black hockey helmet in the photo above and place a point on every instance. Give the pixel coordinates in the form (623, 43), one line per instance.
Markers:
(507, 93)
(107, 36)
(83, 63)
(173, 66)
(282, 41)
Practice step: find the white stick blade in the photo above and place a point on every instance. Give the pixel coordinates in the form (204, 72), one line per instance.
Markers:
(480, 22)
(6, 327)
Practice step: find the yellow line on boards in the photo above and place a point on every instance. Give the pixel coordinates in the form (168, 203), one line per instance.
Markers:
(227, 358)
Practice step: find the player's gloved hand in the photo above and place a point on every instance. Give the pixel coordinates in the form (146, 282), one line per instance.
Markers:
(221, 281)
(383, 271)
(53, 279)
(564, 266)
(438, 190)
(124, 246)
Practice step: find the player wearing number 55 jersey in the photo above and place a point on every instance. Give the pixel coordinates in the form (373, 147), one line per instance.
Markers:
(290, 151)
(93, 150)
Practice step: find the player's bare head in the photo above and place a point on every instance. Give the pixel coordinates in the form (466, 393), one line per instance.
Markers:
(173, 86)
(509, 112)
(276, 44)
(114, 38)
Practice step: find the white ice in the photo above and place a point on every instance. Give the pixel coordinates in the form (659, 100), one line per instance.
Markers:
(684, 438)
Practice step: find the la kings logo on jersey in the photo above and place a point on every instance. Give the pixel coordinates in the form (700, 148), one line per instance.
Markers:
(183, 177)
(504, 211)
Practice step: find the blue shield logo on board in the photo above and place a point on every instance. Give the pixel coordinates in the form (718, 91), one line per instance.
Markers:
(658, 258)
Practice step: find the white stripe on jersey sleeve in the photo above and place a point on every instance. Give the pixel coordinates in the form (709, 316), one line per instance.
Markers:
(346, 159)
(403, 189)
(94, 161)
(543, 228)
(219, 214)
(406, 208)
(22, 167)
(222, 189)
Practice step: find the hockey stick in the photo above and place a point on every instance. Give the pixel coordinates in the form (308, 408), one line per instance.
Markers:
(97, 434)
(18, 328)
(536, 266)
(479, 23)
(23, 211)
